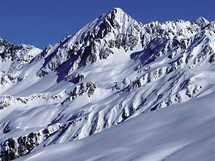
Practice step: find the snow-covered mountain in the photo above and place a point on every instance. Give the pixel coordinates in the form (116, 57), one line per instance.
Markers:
(181, 132)
(110, 71)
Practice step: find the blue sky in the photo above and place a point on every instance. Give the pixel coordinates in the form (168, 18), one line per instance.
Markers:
(43, 22)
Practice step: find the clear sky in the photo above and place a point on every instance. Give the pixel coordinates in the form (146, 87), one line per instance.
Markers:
(43, 22)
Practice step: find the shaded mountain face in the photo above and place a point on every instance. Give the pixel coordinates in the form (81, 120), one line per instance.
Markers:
(112, 70)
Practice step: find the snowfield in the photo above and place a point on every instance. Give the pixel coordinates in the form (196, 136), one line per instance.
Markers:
(180, 132)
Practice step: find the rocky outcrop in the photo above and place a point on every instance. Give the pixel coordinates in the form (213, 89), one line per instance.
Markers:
(82, 88)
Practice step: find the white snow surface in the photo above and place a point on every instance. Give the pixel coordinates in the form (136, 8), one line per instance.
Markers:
(180, 132)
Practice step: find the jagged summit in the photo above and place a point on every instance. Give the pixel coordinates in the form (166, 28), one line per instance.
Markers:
(201, 21)
(114, 20)
(96, 41)
(113, 69)
(117, 12)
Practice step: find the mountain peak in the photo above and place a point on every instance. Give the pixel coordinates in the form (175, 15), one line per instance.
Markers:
(201, 21)
(115, 21)
(117, 11)
(117, 14)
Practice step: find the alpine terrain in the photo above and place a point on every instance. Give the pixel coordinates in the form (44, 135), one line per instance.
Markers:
(102, 93)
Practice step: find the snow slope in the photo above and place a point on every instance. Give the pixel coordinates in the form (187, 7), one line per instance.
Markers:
(112, 70)
(180, 132)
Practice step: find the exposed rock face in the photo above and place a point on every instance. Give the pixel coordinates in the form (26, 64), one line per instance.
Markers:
(113, 69)
(12, 148)
(82, 88)
(113, 30)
